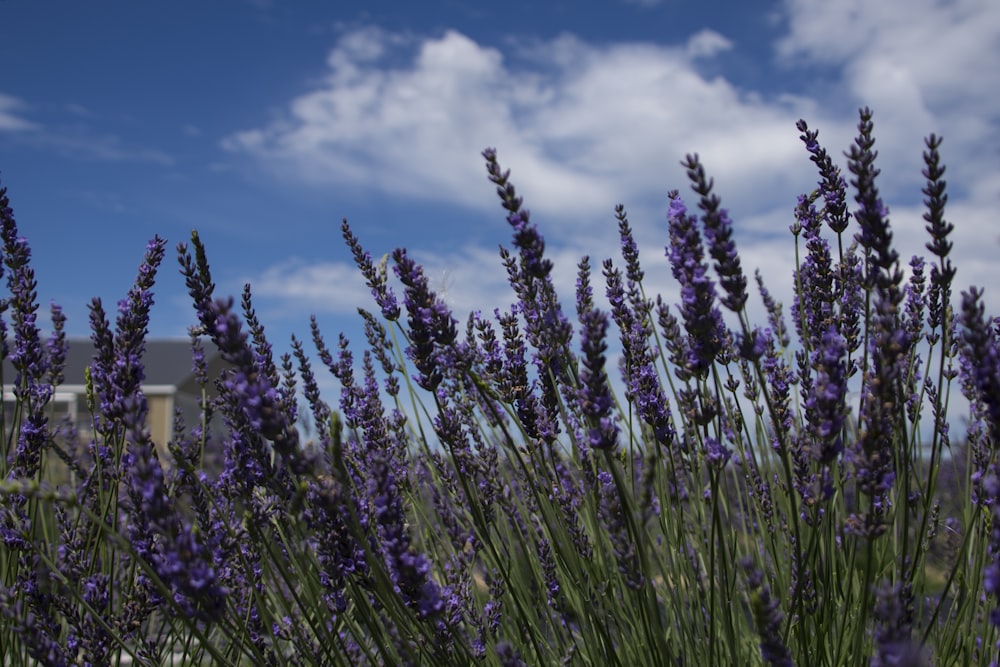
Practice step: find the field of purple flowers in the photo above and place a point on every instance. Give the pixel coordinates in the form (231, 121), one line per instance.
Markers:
(479, 493)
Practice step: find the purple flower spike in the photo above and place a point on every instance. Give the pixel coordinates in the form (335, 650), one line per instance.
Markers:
(432, 327)
(509, 656)
(991, 574)
(613, 519)
(254, 405)
(825, 406)
(584, 292)
(937, 226)
(875, 235)
(981, 353)
(409, 570)
(832, 185)
(719, 234)
(31, 384)
(526, 236)
(630, 251)
(814, 302)
(702, 319)
(767, 617)
(375, 277)
(594, 393)
(894, 644)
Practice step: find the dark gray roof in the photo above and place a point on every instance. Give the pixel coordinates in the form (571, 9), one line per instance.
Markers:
(167, 361)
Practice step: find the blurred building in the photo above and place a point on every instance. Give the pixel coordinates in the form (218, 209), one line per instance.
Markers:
(170, 386)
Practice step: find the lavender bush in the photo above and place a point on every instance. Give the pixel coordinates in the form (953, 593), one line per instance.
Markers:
(482, 494)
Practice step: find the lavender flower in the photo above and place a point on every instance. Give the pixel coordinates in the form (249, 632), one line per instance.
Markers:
(702, 319)
(31, 387)
(515, 387)
(310, 390)
(813, 306)
(674, 342)
(493, 609)
(497, 537)
(198, 278)
(872, 460)
(547, 329)
(638, 360)
(508, 655)
(937, 226)
(431, 325)
(127, 373)
(526, 236)
(56, 347)
(549, 577)
(35, 631)
(157, 534)
(375, 277)
(849, 290)
(889, 342)
(584, 292)
(491, 355)
(991, 573)
(780, 379)
(336, 552)
(882, 270)
(594, 393)
(894, 644)
(774, 316)
(718, 233)
(832, 185)
(408, 569)
(255, 404)
(875, 235)
(716, 453)
(630, 251)
(263, 350)
(767, 617)
(612, 512)
(26, 357)
(379, 342)
(981, 355)
(825, 406)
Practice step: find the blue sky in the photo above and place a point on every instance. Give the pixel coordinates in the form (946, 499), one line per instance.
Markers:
(262, 124)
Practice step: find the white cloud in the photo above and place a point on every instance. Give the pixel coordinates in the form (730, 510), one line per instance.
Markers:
(584, 126)
(706, 44)
(10, 120)
(327, 287)
(922, 65)
(339, 288)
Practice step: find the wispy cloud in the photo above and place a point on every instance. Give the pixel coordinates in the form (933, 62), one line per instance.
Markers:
(73, 136)
(338, 288)
(82, 144)
(10, 119)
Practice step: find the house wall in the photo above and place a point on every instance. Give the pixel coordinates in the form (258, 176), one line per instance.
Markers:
(160, 419)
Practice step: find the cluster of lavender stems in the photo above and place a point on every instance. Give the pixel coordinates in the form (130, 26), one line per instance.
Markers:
(654, 483)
